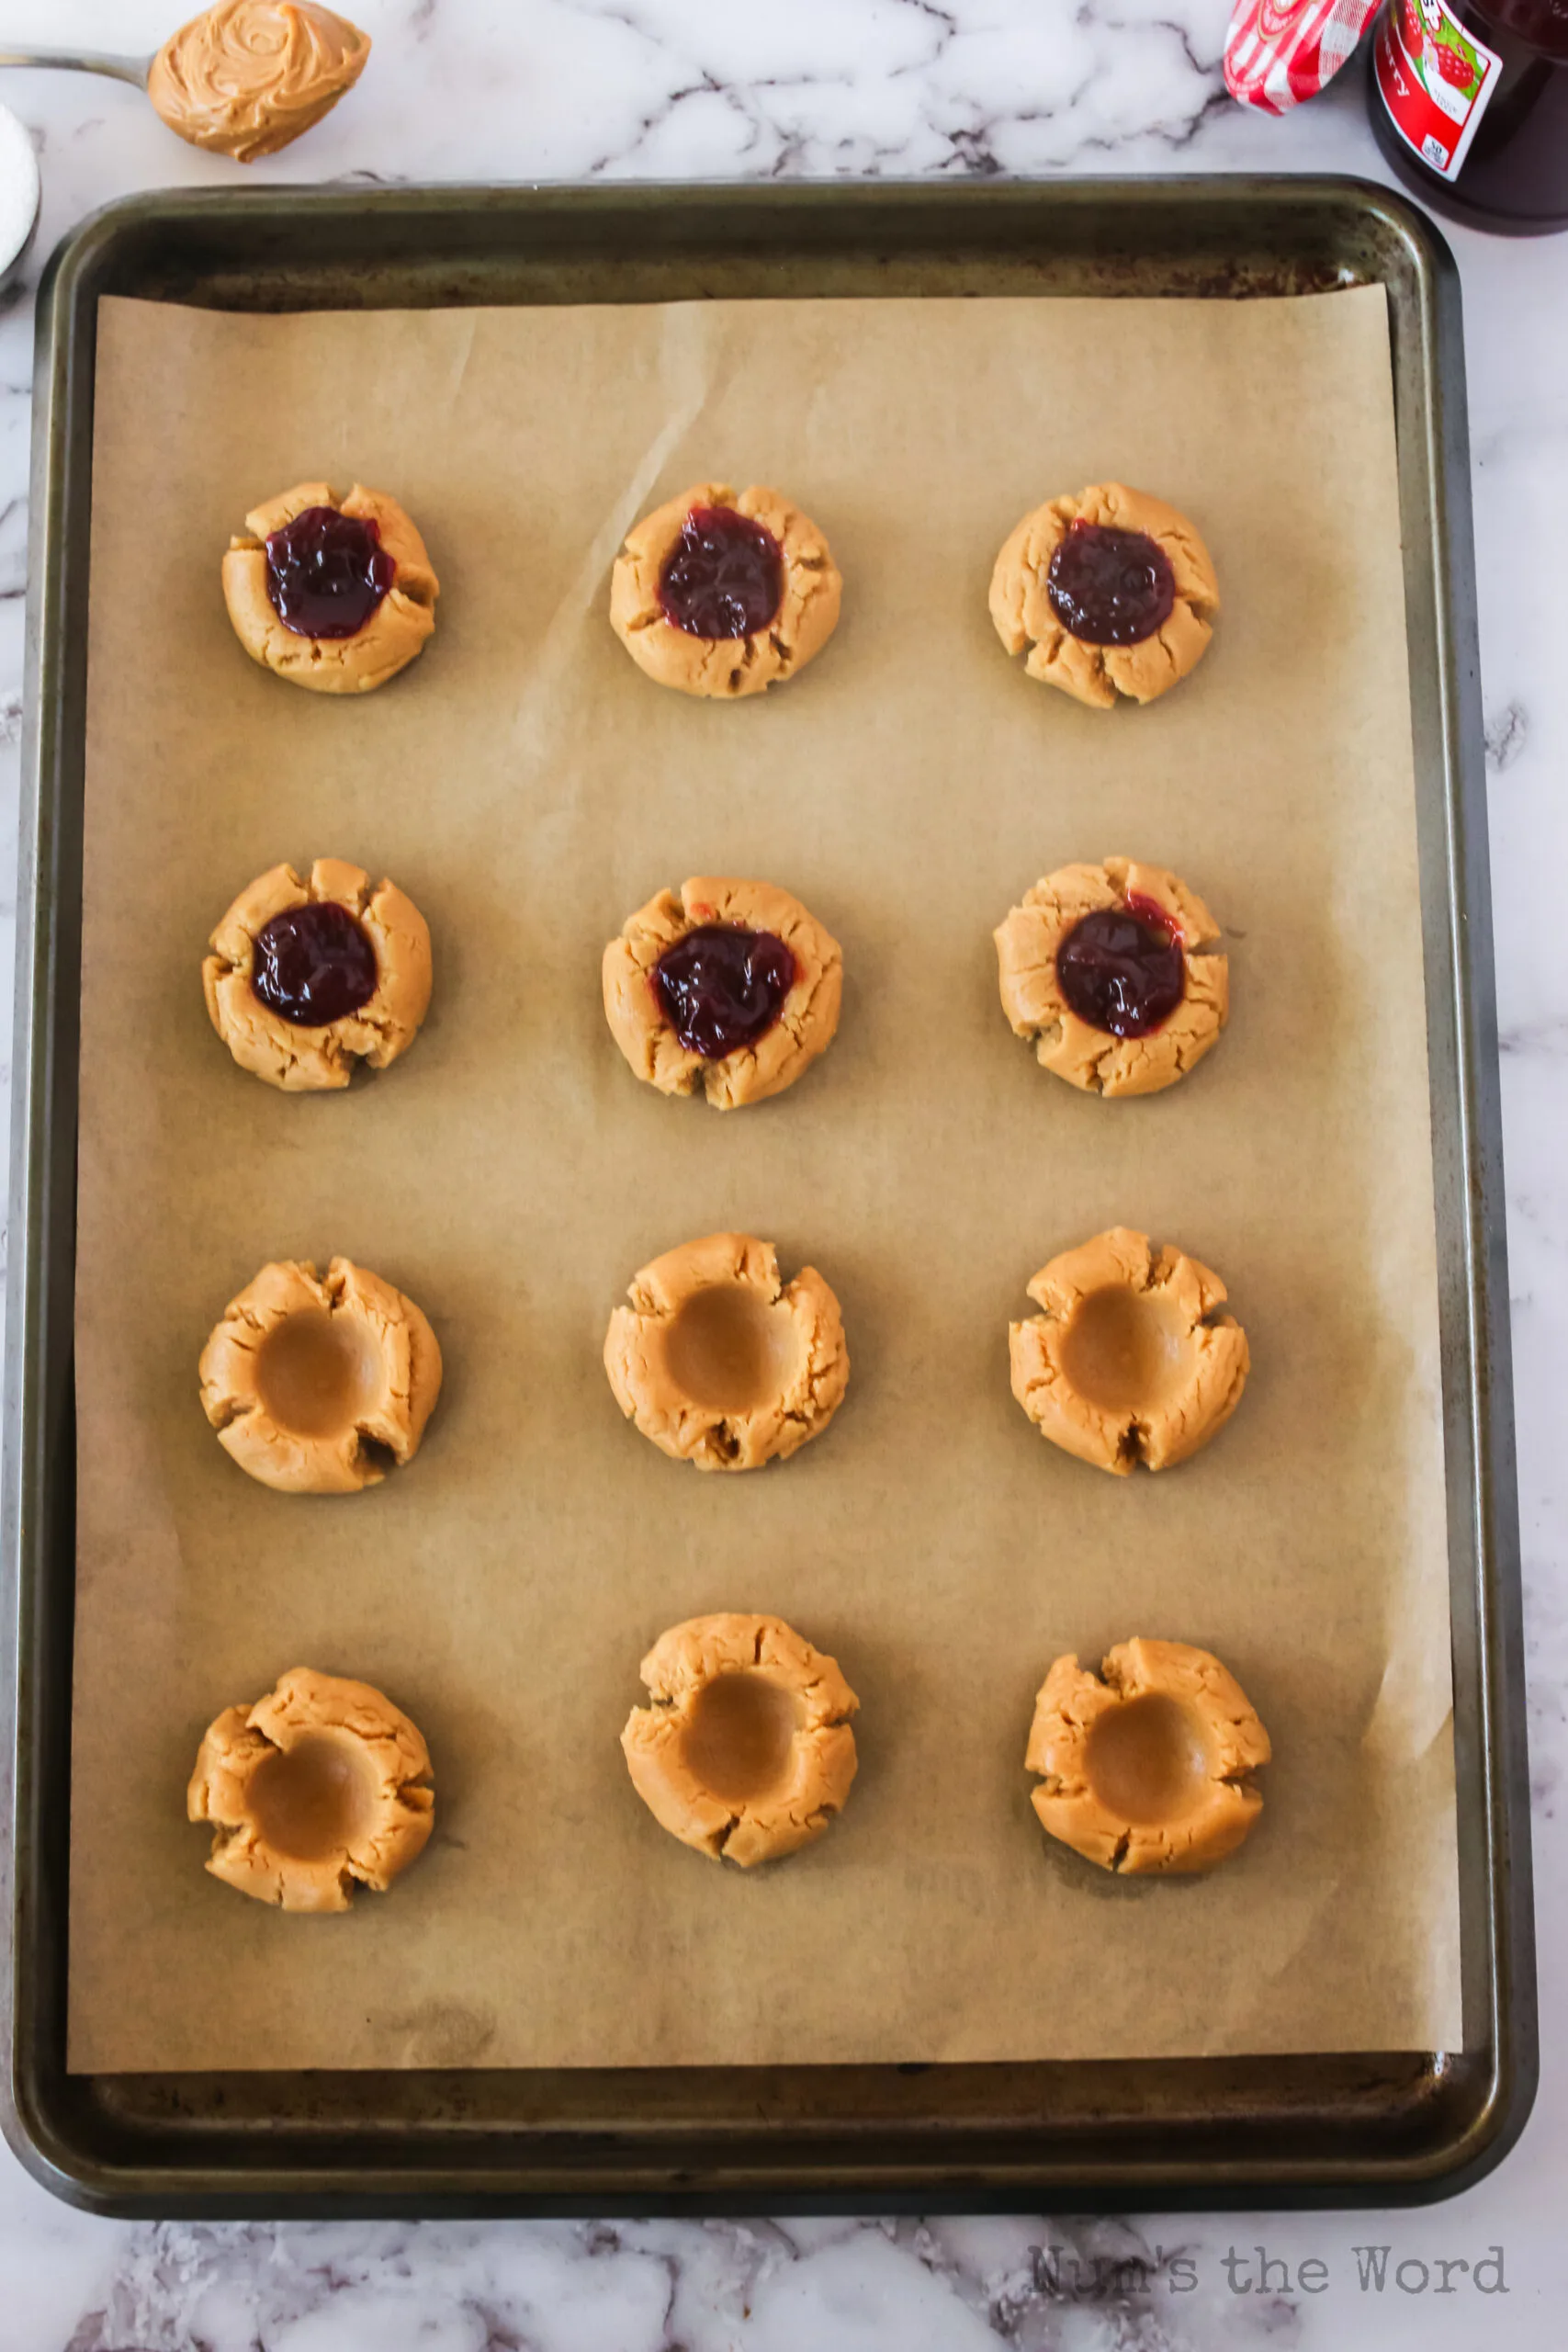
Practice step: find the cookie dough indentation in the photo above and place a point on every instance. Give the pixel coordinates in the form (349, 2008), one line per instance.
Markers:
(316, 1373)
(275, 1044)
(722, 1363)
(767, 1062)
(314, 1799)
(746, 1751)
(1131, 1360)
(1148, 1765)
(740, 1733)
(321, 1785)
(402, 619)
(726, 666)
(1038, 1006)
(730, 1349)
(1029, 618)
(1148, 1760)
(317, 1386)
(1125, 1350)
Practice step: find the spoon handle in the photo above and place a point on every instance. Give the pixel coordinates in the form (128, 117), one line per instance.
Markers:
(83, 61)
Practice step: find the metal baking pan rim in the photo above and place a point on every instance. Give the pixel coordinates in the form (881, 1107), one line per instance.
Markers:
(1216, 234)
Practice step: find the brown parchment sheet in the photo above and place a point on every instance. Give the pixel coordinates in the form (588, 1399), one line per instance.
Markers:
(529, 787)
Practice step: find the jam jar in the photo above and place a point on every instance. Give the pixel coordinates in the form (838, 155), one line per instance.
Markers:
(1468, 102)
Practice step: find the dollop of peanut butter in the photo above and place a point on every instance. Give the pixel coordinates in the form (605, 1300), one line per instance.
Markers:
(249, 75)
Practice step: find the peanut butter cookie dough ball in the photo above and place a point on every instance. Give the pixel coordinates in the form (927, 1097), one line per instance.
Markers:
(336, 595)
(1130, 1360)
(1112, 971)
(1111, 592)
(321, 1786)
(1150, 1768)
(723, 593)
(307, 979)
(732, 988)
(722, 1363)
(746, 1752)
(316, 1386)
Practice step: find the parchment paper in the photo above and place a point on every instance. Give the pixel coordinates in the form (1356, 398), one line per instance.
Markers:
(529, 787)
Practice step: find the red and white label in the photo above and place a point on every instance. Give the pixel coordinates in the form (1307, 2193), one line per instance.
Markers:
(1434, 78)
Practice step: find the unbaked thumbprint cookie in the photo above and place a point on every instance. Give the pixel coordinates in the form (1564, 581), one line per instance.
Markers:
(726, 988)
(723, 593)
(1109, 595)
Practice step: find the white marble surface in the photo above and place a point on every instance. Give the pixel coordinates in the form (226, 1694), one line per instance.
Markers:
(568, 88)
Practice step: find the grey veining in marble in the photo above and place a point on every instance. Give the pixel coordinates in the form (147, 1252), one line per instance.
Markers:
(517, 89)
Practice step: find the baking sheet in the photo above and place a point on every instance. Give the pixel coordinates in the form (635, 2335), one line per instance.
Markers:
(528, 786)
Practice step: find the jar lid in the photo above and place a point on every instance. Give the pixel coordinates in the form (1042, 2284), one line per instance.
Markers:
(1279, 51)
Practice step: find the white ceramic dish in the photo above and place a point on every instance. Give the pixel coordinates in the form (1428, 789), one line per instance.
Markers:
(19, 194)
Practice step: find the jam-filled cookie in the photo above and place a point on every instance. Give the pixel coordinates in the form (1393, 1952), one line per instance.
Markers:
(731, 986)
(722, 1363)
(1109, 593)
(722, 593)
(1148, 1765)
(307, 979)
(1130, 1359)
(321, 1786)
(316, 1385)
(334, 594)
(1114, 972)
(746, 1752)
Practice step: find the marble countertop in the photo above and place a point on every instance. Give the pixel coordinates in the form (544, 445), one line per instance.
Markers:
(569, 89)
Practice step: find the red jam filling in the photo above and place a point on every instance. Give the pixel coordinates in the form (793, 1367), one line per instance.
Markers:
(1122, 969)
(724, 576)
(326, 573)
(313, 963)
(721, 988)
(1109, 587)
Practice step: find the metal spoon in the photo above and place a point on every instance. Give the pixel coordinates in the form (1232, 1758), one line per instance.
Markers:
(138, 72)
(134, 70)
